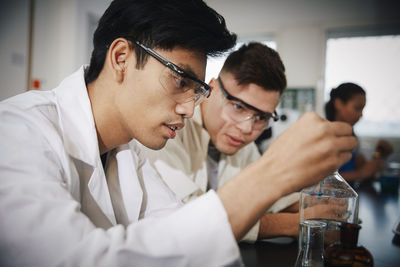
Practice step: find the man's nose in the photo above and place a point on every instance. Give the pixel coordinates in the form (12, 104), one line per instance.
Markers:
(246, 126)
(185, 109)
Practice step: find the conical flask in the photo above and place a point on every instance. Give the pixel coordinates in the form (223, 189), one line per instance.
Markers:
(331, 201)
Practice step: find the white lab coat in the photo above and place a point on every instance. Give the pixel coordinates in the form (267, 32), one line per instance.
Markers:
(58, 208)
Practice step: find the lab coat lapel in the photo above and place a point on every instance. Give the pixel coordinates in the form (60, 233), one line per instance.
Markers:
(204, 140)
(130, 182)
(80, 140)
(91, 204)
(177, 180)
(124, 185)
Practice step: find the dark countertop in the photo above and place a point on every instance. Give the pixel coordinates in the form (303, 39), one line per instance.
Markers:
(378, 212)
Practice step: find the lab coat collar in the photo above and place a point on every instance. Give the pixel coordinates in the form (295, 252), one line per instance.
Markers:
(76, 119)
(197, 118)
(80, 136)
(186, 187)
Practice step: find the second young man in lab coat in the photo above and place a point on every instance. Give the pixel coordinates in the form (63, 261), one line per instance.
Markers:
(218, 142)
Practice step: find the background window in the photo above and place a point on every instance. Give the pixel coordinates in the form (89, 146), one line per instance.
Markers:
(373, 63)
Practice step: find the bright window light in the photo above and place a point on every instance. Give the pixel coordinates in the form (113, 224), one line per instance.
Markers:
(374, 64)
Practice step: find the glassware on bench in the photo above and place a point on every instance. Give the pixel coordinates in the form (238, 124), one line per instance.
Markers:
(347, 252)
(331, 201)
(311, 244)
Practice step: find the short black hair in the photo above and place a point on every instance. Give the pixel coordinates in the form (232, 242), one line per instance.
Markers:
(344, 92)
(163, 24)
(259, 64)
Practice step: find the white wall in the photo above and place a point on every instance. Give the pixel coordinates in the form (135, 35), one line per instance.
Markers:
(300, 26)
(14, 18)
(54, 40)
(87, 10)
(62, 39)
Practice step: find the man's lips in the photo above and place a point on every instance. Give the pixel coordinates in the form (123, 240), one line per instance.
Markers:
(234, 141)
(173, 127)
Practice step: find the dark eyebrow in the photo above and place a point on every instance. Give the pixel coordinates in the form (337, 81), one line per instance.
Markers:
(188, 70)
(273, 115)
(231, 97)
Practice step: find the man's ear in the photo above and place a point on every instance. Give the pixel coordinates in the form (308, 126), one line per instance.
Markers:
(212, 83)
(338, 103)
(119, 52)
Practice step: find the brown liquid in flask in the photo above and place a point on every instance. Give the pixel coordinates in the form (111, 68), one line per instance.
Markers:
(346, 252)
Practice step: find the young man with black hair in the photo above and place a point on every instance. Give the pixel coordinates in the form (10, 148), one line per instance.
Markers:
(60, 207)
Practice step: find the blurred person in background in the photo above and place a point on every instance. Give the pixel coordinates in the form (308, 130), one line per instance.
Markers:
(346, 104)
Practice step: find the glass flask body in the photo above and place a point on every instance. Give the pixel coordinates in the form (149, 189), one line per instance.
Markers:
(346, 253)
(331, 201)
(311, 244)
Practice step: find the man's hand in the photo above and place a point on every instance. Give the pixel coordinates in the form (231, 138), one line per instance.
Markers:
(327, 211)
(309, 150)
